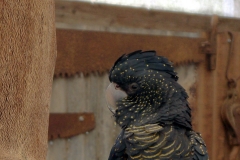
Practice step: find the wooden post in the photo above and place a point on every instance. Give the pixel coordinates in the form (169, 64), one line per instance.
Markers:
(27, 60)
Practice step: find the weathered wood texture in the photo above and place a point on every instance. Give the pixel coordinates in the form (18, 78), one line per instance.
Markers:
(212, 92)
(87, 94)
(27, 59)
(83, 94)
(80, 15)
(90, 51)
(207, 95)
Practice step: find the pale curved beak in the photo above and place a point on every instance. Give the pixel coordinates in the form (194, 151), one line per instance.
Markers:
(113, 95)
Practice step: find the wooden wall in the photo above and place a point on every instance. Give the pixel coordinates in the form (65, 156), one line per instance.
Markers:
(87, 94)
(207, 88)
(83, 94)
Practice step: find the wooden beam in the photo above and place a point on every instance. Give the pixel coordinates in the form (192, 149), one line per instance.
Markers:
(76, 14)
(90, 51)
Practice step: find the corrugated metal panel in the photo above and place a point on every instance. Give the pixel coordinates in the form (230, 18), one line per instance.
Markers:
(83, 94)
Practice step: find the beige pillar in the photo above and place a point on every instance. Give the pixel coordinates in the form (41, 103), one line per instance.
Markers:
(27, 59)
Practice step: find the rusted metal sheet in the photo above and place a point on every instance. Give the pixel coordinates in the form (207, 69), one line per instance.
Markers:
(89, 51)
(65, 125)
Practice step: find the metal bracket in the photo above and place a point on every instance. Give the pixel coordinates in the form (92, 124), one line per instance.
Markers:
(65, 125)
(209, 47)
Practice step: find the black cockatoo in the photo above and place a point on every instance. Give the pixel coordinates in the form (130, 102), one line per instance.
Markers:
(152, 110)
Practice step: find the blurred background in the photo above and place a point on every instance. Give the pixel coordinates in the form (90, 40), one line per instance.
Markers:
(77, 89)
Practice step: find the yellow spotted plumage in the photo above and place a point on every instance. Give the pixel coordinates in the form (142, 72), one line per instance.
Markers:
(155, 117)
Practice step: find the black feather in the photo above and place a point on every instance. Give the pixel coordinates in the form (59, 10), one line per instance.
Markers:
(159, 103)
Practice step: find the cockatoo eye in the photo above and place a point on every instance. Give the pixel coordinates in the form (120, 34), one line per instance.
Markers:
(134, 86)
(132, 89)
(116, 86)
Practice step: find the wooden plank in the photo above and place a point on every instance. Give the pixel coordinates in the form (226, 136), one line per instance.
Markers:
(87, 51)
(219, 92)
(205, 104)
(76, 14)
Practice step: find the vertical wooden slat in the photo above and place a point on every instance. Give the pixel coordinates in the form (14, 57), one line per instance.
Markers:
(220, 89)
(204, 104)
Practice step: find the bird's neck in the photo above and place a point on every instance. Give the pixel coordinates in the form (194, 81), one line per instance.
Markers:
(164, 107)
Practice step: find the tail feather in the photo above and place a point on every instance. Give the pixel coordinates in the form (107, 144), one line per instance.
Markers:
(198, 146)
